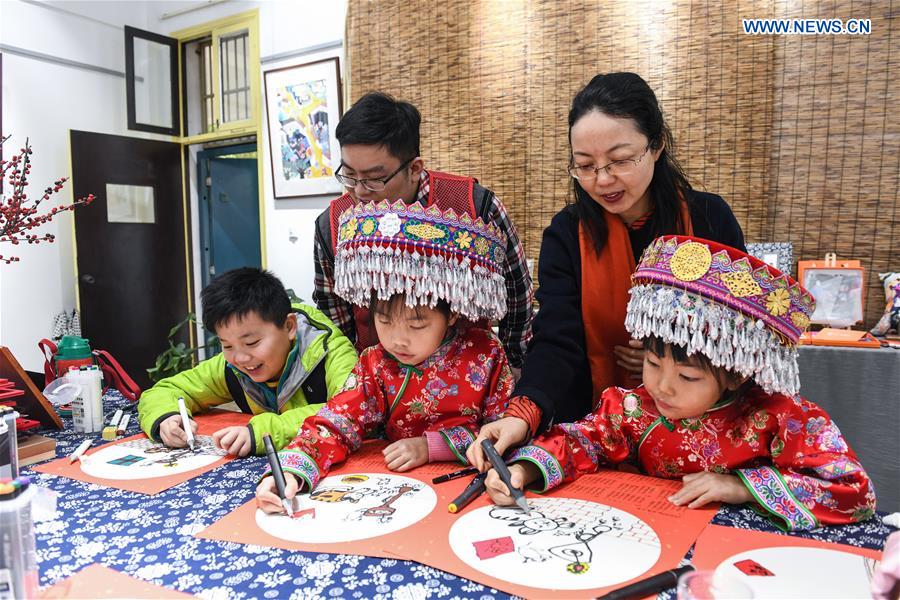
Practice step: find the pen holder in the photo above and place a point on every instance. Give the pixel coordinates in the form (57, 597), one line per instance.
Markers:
(18, 560)
(9, 451)
(87, 407)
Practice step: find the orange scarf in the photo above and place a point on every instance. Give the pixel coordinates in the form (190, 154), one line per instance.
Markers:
(605, 281)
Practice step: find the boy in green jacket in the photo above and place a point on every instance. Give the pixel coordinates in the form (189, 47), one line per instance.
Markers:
(278, 362)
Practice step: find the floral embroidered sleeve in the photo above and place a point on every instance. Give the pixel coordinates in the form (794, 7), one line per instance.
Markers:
(570, 450)
(815, 478)
(491, 376)
(338, 429)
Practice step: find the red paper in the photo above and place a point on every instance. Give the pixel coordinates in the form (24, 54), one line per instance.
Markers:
(207, 424)
(495, 547)
(97, 581)
(752, 568)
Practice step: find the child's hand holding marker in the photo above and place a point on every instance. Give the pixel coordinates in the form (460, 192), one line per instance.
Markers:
(172, 432)
(275, 494)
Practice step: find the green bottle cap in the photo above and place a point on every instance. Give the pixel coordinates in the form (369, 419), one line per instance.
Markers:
(72, 347)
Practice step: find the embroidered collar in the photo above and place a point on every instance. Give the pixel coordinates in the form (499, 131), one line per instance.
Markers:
(727, 399)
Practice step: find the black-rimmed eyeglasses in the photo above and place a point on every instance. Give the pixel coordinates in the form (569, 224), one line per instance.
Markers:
(373, 185)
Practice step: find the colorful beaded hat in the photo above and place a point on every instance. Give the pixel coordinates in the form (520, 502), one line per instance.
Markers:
(731, 307)
(424, 253)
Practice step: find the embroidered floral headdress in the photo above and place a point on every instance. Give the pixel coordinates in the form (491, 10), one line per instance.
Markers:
(733, 308)
(426, 254)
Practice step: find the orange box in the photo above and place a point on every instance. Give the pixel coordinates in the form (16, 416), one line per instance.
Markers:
(840, 337)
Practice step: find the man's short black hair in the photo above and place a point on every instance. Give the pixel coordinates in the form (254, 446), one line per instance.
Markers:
(238, 292)
(377, 119)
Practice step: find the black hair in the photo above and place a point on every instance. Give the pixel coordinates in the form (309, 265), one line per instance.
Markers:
(396, 303)
(679, 354)
(627, 95)
(378, 119)
(238, 292)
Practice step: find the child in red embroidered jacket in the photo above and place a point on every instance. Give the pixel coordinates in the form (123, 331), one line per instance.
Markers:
(719, 408)
(429, 382)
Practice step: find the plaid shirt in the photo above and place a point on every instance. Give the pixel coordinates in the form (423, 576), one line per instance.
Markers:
(515, 327)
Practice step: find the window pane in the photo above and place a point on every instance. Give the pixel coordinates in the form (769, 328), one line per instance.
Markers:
(129, 204)
(234, 77)
(152, 83)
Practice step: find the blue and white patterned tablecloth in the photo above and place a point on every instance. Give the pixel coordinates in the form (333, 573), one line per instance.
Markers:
(151, 537)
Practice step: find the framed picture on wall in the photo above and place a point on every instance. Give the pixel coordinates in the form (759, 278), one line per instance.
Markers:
(303, 106)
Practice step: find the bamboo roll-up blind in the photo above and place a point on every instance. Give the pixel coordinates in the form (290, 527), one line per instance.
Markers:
(799, 133)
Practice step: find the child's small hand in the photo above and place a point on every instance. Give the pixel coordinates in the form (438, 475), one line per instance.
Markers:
(234, 440)
(503, 433)
(407, 454)
(267, 495)
(520, 475)
(172, 434)
(700, 489)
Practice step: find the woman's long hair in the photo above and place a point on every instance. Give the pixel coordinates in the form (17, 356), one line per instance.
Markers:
(627, 95)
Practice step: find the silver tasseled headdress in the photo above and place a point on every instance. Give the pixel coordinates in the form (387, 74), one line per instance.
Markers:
(426, 254)
(729, 306)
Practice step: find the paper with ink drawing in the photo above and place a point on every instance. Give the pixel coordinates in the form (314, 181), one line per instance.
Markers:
(138, 464)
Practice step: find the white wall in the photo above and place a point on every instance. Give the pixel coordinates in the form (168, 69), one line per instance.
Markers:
(43, 101)
(285, 26)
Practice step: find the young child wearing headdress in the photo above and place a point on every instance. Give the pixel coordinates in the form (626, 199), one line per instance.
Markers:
(719, 406)
(429, 383)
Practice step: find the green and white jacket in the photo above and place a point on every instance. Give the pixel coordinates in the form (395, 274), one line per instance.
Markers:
(315, 369)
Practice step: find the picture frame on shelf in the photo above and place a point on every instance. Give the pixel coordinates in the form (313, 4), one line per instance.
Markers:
(303, 107)
(775, 254)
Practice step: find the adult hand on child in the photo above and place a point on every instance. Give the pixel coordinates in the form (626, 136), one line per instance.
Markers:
(234, 440)
(267, 494)
(406, 454)
(172, 433)
(631, 358)
(503, 433)
(520, 475)
(700, 489)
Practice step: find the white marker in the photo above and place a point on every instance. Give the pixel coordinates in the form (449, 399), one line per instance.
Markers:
(186, 422)
(80, 450)
(116, 418)
(123, 424)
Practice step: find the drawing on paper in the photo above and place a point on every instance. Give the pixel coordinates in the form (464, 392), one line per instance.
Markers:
(576, 544)
(144, 459)
(353, 507)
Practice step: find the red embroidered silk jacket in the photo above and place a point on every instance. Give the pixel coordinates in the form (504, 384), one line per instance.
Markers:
(464, 384)
(787, 452)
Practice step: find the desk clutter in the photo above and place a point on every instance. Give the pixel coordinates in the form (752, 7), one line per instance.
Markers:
(129, 510)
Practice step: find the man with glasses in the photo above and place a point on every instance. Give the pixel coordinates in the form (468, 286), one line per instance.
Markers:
(379, 138)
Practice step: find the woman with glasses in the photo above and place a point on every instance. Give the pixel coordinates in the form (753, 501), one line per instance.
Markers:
(629, 190)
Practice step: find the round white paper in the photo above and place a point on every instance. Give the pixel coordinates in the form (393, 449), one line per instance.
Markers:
(353, 507)
(555, 544)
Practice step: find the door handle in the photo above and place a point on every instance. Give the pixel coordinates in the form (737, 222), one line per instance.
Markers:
(87, 278)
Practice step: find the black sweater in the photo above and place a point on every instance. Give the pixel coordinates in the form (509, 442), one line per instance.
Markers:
(556, 375)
